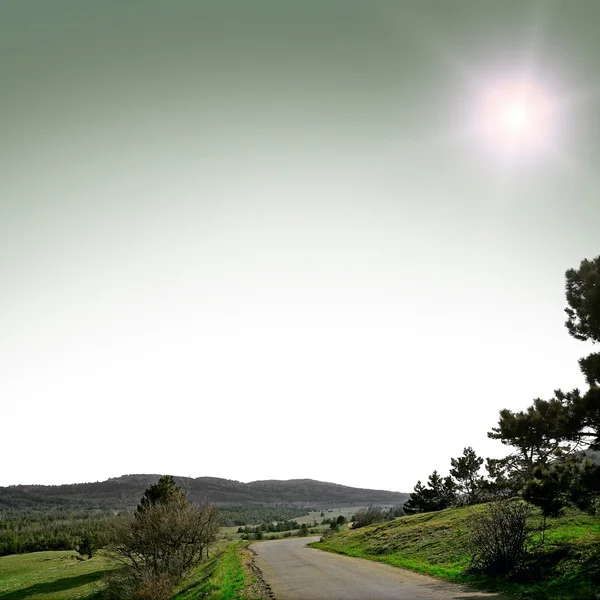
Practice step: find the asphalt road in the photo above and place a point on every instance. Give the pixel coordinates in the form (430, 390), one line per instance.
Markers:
(295, 572)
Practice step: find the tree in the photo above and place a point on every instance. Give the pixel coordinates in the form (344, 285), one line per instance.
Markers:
(439, 494)
(161, 492)
(584, 413)
(583, 312)
(501, 482)
(590, 367)
(538, 434)
(162, 541)
(583, 297)
(443, 491)
(549, 434)
(569, 482)
(88, 543)
(465, 470)
(417, 501)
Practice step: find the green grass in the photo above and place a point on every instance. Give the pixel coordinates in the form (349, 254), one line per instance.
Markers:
(567, 566)
(51, 576)
(226, 576)
(60, 576)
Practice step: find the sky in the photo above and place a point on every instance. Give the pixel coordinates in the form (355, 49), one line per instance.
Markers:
(277, 240)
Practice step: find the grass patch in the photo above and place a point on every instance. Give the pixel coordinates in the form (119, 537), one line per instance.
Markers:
(225, 576)
(60, 576)
(566, 567)
(51, 576)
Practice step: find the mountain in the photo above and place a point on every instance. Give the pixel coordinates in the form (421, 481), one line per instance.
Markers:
(125, 492)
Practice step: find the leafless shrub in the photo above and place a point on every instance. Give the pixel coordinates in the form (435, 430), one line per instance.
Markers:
(159, 545)
(367, 516)
(498, 538)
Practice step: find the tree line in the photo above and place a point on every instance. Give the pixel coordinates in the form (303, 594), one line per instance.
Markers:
(64, 527)
(37, 530)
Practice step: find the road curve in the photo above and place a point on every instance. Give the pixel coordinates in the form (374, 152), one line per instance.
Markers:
(295, 572)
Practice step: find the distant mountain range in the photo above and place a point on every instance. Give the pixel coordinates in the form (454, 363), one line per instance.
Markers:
(124, 492)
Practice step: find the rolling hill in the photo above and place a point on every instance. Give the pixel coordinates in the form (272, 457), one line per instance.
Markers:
(124, 492)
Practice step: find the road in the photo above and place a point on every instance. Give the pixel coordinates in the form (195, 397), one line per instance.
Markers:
(295, 572)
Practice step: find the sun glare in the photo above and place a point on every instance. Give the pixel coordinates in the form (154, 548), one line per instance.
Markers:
(515, 117)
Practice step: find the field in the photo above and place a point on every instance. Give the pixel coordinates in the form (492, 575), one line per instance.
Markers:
(315, 515)
(567, 565)
(61, 575)
(51, 576)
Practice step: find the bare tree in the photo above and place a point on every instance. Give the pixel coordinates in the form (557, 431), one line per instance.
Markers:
(161, 543)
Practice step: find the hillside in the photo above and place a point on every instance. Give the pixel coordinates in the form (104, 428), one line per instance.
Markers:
(567, 565)
(125, 491)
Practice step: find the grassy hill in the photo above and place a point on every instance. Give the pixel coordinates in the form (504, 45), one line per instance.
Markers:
(125, 491)
(567, 564)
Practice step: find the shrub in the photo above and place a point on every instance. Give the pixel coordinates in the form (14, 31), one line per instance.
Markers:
(498, 538)
(367, 516)
(161, 543)
(139, 586)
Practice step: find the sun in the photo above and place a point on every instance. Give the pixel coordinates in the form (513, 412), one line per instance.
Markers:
(515, 117)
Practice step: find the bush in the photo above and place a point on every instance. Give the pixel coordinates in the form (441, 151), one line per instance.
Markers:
(139, 586)
(367, 516)
(161, 543)
(498, 538)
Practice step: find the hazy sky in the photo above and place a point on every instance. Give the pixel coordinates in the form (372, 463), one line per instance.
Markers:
(269, 240)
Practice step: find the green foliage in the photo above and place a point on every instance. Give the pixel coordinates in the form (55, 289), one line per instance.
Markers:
(465, 471)
(548, 433)
(584, 426)
(162, 492)
(53, 528)
(583, 297)
(439, 494)
(271, 527)
(88, 544)
(548, 489)
(590, 367)
(251, 514)
(538, 434)
(501, 481)
(565, 483)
